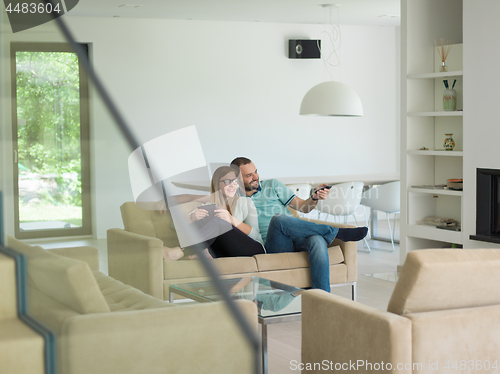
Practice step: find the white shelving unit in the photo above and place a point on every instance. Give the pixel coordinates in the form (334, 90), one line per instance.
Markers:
(437, 152)
(424, 123)
(436, 114)
(435, 191)
(446, 74)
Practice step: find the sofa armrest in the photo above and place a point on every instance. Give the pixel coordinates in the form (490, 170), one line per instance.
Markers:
(88, 254)
(136, 260)
(340, 331)
(349, 249)
(200, 338)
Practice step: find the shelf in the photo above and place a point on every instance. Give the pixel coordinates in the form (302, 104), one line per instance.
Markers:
(433, 233)
(451, 113)
(418, 152)
(437, 191)
(425, 123)
(445, 74)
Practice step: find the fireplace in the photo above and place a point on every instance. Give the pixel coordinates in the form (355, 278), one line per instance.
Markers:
(487, 206)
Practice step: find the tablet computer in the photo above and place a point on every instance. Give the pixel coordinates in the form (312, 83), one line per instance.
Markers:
(209, 208)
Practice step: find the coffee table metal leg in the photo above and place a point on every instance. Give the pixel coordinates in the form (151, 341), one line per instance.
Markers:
(171, 297)
(264, 348)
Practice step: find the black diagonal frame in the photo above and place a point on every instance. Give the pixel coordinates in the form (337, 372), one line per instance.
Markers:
(132, 142)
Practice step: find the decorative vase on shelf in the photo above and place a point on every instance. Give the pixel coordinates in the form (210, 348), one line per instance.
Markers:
(449, 99)
(443, 67)
(449, 143)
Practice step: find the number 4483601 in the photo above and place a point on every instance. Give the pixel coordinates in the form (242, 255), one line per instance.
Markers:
(471, 365)
(33, 8)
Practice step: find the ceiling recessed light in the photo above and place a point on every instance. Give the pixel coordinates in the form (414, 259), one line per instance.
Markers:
(130, 6)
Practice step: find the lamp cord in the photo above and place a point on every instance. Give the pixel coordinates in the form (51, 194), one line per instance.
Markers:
(335, 38)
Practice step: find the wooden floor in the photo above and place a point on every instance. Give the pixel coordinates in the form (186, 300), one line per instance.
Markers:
(284, 339)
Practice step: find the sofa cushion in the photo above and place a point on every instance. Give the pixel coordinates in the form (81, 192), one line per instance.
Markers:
(149, 222)
(293, 260)
(68, 281)
(122, 297)
(193, 268)
(440, 279)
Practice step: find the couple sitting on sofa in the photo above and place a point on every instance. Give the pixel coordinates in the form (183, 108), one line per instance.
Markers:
(240, 226)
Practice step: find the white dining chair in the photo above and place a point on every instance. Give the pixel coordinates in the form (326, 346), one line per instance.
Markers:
(384, 198)
(302, 190)
(342, 202)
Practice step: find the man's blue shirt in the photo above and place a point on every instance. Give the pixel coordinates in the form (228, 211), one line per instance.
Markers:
(271, 198)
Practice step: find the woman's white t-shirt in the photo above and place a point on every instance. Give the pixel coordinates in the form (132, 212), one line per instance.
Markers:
(246, 212)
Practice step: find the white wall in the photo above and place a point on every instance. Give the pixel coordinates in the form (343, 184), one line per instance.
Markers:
(481, 124)
(235, 82)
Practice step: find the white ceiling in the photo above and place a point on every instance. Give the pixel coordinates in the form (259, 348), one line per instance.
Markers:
(350, 12)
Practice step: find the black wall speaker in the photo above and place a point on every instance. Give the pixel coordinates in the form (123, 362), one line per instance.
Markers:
(304, 48)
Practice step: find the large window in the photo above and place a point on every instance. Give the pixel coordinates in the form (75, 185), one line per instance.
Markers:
(51, 132)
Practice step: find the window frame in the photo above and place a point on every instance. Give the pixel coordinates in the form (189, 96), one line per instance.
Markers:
(86, 228)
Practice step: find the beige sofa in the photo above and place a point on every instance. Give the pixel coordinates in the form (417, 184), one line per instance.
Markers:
(104, 326)
(135, 257)
(21, 348)
(443, 316)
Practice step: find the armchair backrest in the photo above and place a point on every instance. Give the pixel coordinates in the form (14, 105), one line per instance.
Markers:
(441, 279)
(68, 281)
(150, 222)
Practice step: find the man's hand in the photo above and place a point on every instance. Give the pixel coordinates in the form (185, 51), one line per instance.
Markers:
(305, 206)
(321, 193)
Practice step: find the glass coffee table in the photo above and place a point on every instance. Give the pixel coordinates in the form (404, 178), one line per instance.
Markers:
(276, 302)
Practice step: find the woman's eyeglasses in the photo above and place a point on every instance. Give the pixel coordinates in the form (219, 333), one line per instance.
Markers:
(227, 182)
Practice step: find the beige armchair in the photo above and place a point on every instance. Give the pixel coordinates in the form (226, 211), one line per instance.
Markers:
(135, 257)
(443, 316)
(104, 326)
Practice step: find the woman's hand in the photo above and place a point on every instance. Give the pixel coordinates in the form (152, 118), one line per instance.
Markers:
(224, 214)
(198, 214)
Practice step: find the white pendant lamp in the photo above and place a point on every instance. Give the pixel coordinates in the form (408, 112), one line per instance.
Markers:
(332, 98)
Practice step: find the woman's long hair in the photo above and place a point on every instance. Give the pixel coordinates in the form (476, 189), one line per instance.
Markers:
(217, 196)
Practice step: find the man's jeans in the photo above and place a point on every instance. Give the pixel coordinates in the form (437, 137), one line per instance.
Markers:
(291, 234)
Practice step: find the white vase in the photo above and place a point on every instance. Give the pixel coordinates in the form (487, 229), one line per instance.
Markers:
(449, 99)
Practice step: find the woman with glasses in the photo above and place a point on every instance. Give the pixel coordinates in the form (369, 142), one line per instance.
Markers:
(227, 225)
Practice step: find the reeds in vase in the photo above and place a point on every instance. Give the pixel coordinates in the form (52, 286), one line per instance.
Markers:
(443, 52)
